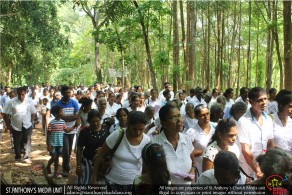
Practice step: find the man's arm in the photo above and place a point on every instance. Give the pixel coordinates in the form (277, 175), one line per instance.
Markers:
(249, 159)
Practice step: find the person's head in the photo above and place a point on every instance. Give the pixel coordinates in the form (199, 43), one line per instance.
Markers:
(51, 91)
(135, 101)
(154, 162)
(79, 94)
(258, 99)
(122, 116)
(45, 92)
(244, 93)
(7, 89)
(96, 86)
(226, 168)
(66, 92)
(199, 93)
(221, 100)
(111, 98)
(190, 110)
(192, 92)
(175, 102)
(207, 97)
(136, 124)
(285, 105)
(86, 103)
(282, 93)
(272, 93)
(147, 95)
(166, 94)
(101, 104)
(138, 89)
(45, 101)
(216, 112)
(142, 98)
(149, 111)
(57, 111)
(225, 133)
(171, 119)
(12, 94)
(202, 114)
(276, 161)
(118, 99)
(21, 92)
(215, 92)
(228, 93)
(57, 95)
(33, 94)
(91, 89)
(181, 95)
(154, 94)
(237, 110)
(167, 85)
(94, 118)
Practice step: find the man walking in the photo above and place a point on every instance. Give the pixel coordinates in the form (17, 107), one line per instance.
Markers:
(22, 113)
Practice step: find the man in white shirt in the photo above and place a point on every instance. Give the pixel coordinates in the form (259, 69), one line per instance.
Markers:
(22, 112)
(166, 86)
(198, 98)
(243, 96)
(215, 93)
(255, 132)
(154, 102)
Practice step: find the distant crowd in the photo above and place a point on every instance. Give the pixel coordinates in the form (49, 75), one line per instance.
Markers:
(153, 137)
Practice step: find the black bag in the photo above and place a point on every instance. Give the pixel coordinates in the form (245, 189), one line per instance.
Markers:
(105, 162)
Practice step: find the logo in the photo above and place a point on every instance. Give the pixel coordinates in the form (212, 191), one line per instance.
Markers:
(275, 184)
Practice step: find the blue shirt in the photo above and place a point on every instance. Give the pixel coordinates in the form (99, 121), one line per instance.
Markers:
(69, 108)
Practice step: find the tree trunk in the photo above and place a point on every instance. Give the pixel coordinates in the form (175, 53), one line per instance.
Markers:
(192, 43)
(276, 38)
(231, 57)
(257, 57)
(269, 52)
(147, 46)
(208, 49)
(248, 48)
(287, 44)
(218, 64)
(184, 45)
(239, 46)
(175, 45)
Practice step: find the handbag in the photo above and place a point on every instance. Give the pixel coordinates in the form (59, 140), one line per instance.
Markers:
(105, 162)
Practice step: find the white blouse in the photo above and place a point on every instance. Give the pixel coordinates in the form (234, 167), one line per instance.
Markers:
(282, 135)
(200, 141)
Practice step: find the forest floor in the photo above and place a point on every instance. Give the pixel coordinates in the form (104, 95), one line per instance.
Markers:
(28, 174)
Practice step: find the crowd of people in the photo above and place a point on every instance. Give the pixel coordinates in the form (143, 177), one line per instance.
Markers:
(154, 137)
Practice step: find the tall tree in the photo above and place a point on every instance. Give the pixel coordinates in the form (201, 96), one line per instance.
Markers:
(287, 44)
(98, 20)
(175, 46)
(147, 45)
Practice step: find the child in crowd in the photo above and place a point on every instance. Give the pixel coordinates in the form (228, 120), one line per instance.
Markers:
(56, 130)
(154, 169)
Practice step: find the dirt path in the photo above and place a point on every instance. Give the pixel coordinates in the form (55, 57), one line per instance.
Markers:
(26, 174)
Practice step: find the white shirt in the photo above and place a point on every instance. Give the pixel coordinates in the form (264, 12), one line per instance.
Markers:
(155, 104)
(189, 123)
(212, 150)
(112, 109)
(239, 99)
(282, 135)
(127, 160)
(20, 113)
(162, 98)
(251, 133)
(208, 178)
(178, 161)
(200, 141)
(195, 101)
(272, 107)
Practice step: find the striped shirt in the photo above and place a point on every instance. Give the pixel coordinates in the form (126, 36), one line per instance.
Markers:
(56, 127)
(69, 108)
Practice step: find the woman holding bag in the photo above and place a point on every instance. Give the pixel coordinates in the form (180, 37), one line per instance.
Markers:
(126, 162)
